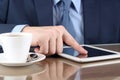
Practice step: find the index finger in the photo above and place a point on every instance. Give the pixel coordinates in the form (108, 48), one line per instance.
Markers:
(69, 40)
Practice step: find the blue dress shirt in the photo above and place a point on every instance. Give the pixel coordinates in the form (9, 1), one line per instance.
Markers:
(76, 18)
(18, 28)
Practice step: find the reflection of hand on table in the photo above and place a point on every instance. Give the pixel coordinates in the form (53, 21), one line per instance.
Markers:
(55, 70)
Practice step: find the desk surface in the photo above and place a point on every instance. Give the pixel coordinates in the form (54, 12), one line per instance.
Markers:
(63, 69)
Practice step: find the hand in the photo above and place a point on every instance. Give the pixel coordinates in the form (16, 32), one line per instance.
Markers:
(50, 39)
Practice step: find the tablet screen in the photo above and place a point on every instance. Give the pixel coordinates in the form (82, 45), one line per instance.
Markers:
(92, 52)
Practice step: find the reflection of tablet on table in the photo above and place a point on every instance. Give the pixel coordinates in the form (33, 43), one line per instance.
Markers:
(94, 54)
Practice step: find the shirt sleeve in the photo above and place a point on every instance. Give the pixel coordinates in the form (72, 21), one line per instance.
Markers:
(18, 28)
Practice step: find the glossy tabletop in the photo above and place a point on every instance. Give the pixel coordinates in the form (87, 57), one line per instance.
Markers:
(57, 68)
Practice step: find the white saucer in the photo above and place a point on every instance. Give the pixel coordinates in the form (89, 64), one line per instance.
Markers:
(3, 62)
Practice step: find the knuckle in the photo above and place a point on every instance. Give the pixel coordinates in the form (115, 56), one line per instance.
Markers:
(43, 51)
(62, 27)
(52, 32)
(59, 51)
(59, 31)
(52, 51)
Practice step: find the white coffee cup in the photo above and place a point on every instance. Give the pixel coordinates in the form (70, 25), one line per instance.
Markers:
(16, 46)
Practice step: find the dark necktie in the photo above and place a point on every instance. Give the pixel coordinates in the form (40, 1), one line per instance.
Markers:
(65, 18)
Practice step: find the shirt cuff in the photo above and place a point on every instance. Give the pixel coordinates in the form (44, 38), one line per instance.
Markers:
(18, 28)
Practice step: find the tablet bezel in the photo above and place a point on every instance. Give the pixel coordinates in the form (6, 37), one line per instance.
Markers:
(90, 59)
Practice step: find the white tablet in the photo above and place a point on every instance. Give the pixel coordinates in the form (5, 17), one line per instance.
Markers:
(94, 54)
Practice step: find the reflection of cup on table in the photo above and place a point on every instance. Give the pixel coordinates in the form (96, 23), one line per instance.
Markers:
(15, 77)
(15, 46)
(20, 73)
